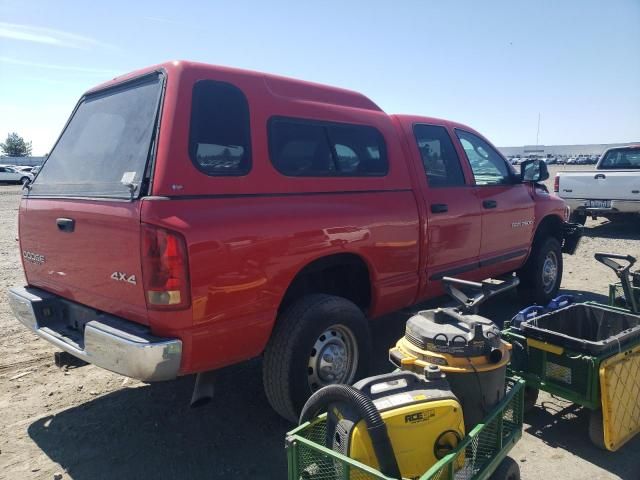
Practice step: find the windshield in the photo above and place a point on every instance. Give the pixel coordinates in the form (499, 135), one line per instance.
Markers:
(103, 150)
(621, 159)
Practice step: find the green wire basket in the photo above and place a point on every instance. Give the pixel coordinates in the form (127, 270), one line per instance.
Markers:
(616, 295)
(476, 458)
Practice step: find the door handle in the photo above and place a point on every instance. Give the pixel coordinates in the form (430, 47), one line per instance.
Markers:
(489, 203)
(439, 208)
(600, 175)
(66, 224)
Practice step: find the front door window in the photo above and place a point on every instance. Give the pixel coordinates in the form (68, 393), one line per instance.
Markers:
(488, 166)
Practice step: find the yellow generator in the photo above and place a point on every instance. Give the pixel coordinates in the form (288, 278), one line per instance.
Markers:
(400, 423)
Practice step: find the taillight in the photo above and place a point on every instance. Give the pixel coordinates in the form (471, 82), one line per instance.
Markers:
(165, 269)
(556, 184)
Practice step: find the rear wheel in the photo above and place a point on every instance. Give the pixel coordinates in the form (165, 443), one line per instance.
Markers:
(507, 470)
(24, 180)
(319, 340)
(541, 276)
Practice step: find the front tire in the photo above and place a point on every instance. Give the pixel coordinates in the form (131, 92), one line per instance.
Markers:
(318, 340)
(507, 470)
(24, 180)
(541, 276)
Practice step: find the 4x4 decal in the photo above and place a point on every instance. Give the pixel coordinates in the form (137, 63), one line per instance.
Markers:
(123, 277)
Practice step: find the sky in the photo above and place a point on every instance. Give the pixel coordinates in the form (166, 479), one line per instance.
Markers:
(493, 65)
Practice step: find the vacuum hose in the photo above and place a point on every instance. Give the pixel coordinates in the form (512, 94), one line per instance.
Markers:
(319, 402)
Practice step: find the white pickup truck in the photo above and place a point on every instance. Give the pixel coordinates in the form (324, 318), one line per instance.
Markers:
(612, 190)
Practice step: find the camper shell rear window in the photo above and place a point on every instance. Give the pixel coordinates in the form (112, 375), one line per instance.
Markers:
(105, 147)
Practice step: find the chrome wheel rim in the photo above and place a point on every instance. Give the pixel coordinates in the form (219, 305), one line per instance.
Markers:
(549, 272)
(333, 358)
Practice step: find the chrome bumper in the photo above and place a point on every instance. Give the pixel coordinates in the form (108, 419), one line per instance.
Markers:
(617, 206)
(104, 340)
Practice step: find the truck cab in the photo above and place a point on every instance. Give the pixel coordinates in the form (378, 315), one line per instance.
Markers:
(611, 191)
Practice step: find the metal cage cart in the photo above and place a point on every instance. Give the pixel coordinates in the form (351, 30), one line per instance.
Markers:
(589, 354)
(482, 454)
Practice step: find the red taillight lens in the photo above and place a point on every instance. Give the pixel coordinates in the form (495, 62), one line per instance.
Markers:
(556, 184)
(165, 269)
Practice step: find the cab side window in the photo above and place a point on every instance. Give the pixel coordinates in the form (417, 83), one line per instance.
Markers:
(315, 148)
(439, 158)
(488, 166)
(219, 139)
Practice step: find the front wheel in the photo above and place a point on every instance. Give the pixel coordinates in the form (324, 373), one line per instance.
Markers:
(507, 470)
(319, 340)
(541, 276)
(24, 180)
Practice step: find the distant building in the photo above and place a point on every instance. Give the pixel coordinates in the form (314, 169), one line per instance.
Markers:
(22, 161)
(559, 150)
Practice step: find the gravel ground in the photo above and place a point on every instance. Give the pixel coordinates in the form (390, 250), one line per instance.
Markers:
(86, 423)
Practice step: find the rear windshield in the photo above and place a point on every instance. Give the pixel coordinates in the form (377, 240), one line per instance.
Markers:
(621, 158)
(103, 151)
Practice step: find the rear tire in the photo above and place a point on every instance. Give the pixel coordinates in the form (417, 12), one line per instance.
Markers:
(596, 429)
(318, 340)
(24, 180)
(541, 276)
(507, 470)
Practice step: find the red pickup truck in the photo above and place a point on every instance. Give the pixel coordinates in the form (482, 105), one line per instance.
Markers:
(192, 216)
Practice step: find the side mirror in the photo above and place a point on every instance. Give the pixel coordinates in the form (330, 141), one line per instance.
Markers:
(534, 171)
(26, 185)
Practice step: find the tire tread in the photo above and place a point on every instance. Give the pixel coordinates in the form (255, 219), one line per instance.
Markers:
(277, 358)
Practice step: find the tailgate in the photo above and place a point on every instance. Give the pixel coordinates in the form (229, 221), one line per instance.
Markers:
(86, 251)
(80, 231)
(600, 185)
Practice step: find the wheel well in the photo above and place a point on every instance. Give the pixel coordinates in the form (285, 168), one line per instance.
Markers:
(550, 225)
(345, 275)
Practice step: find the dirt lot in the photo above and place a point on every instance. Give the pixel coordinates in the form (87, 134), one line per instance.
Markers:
(87, 423)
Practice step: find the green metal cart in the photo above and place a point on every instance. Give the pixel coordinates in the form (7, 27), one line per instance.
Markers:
(588, 354)
(481, 455)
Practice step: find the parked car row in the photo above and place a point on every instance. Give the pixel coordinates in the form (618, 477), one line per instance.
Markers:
(17, 174)
(559, 160)
(582, 160)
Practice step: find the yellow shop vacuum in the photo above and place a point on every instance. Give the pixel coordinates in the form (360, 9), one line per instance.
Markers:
(466, 346)
(400, 423)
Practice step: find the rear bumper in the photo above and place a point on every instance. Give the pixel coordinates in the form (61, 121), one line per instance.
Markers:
(572, 234)
(104, 340)
(617, 206)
